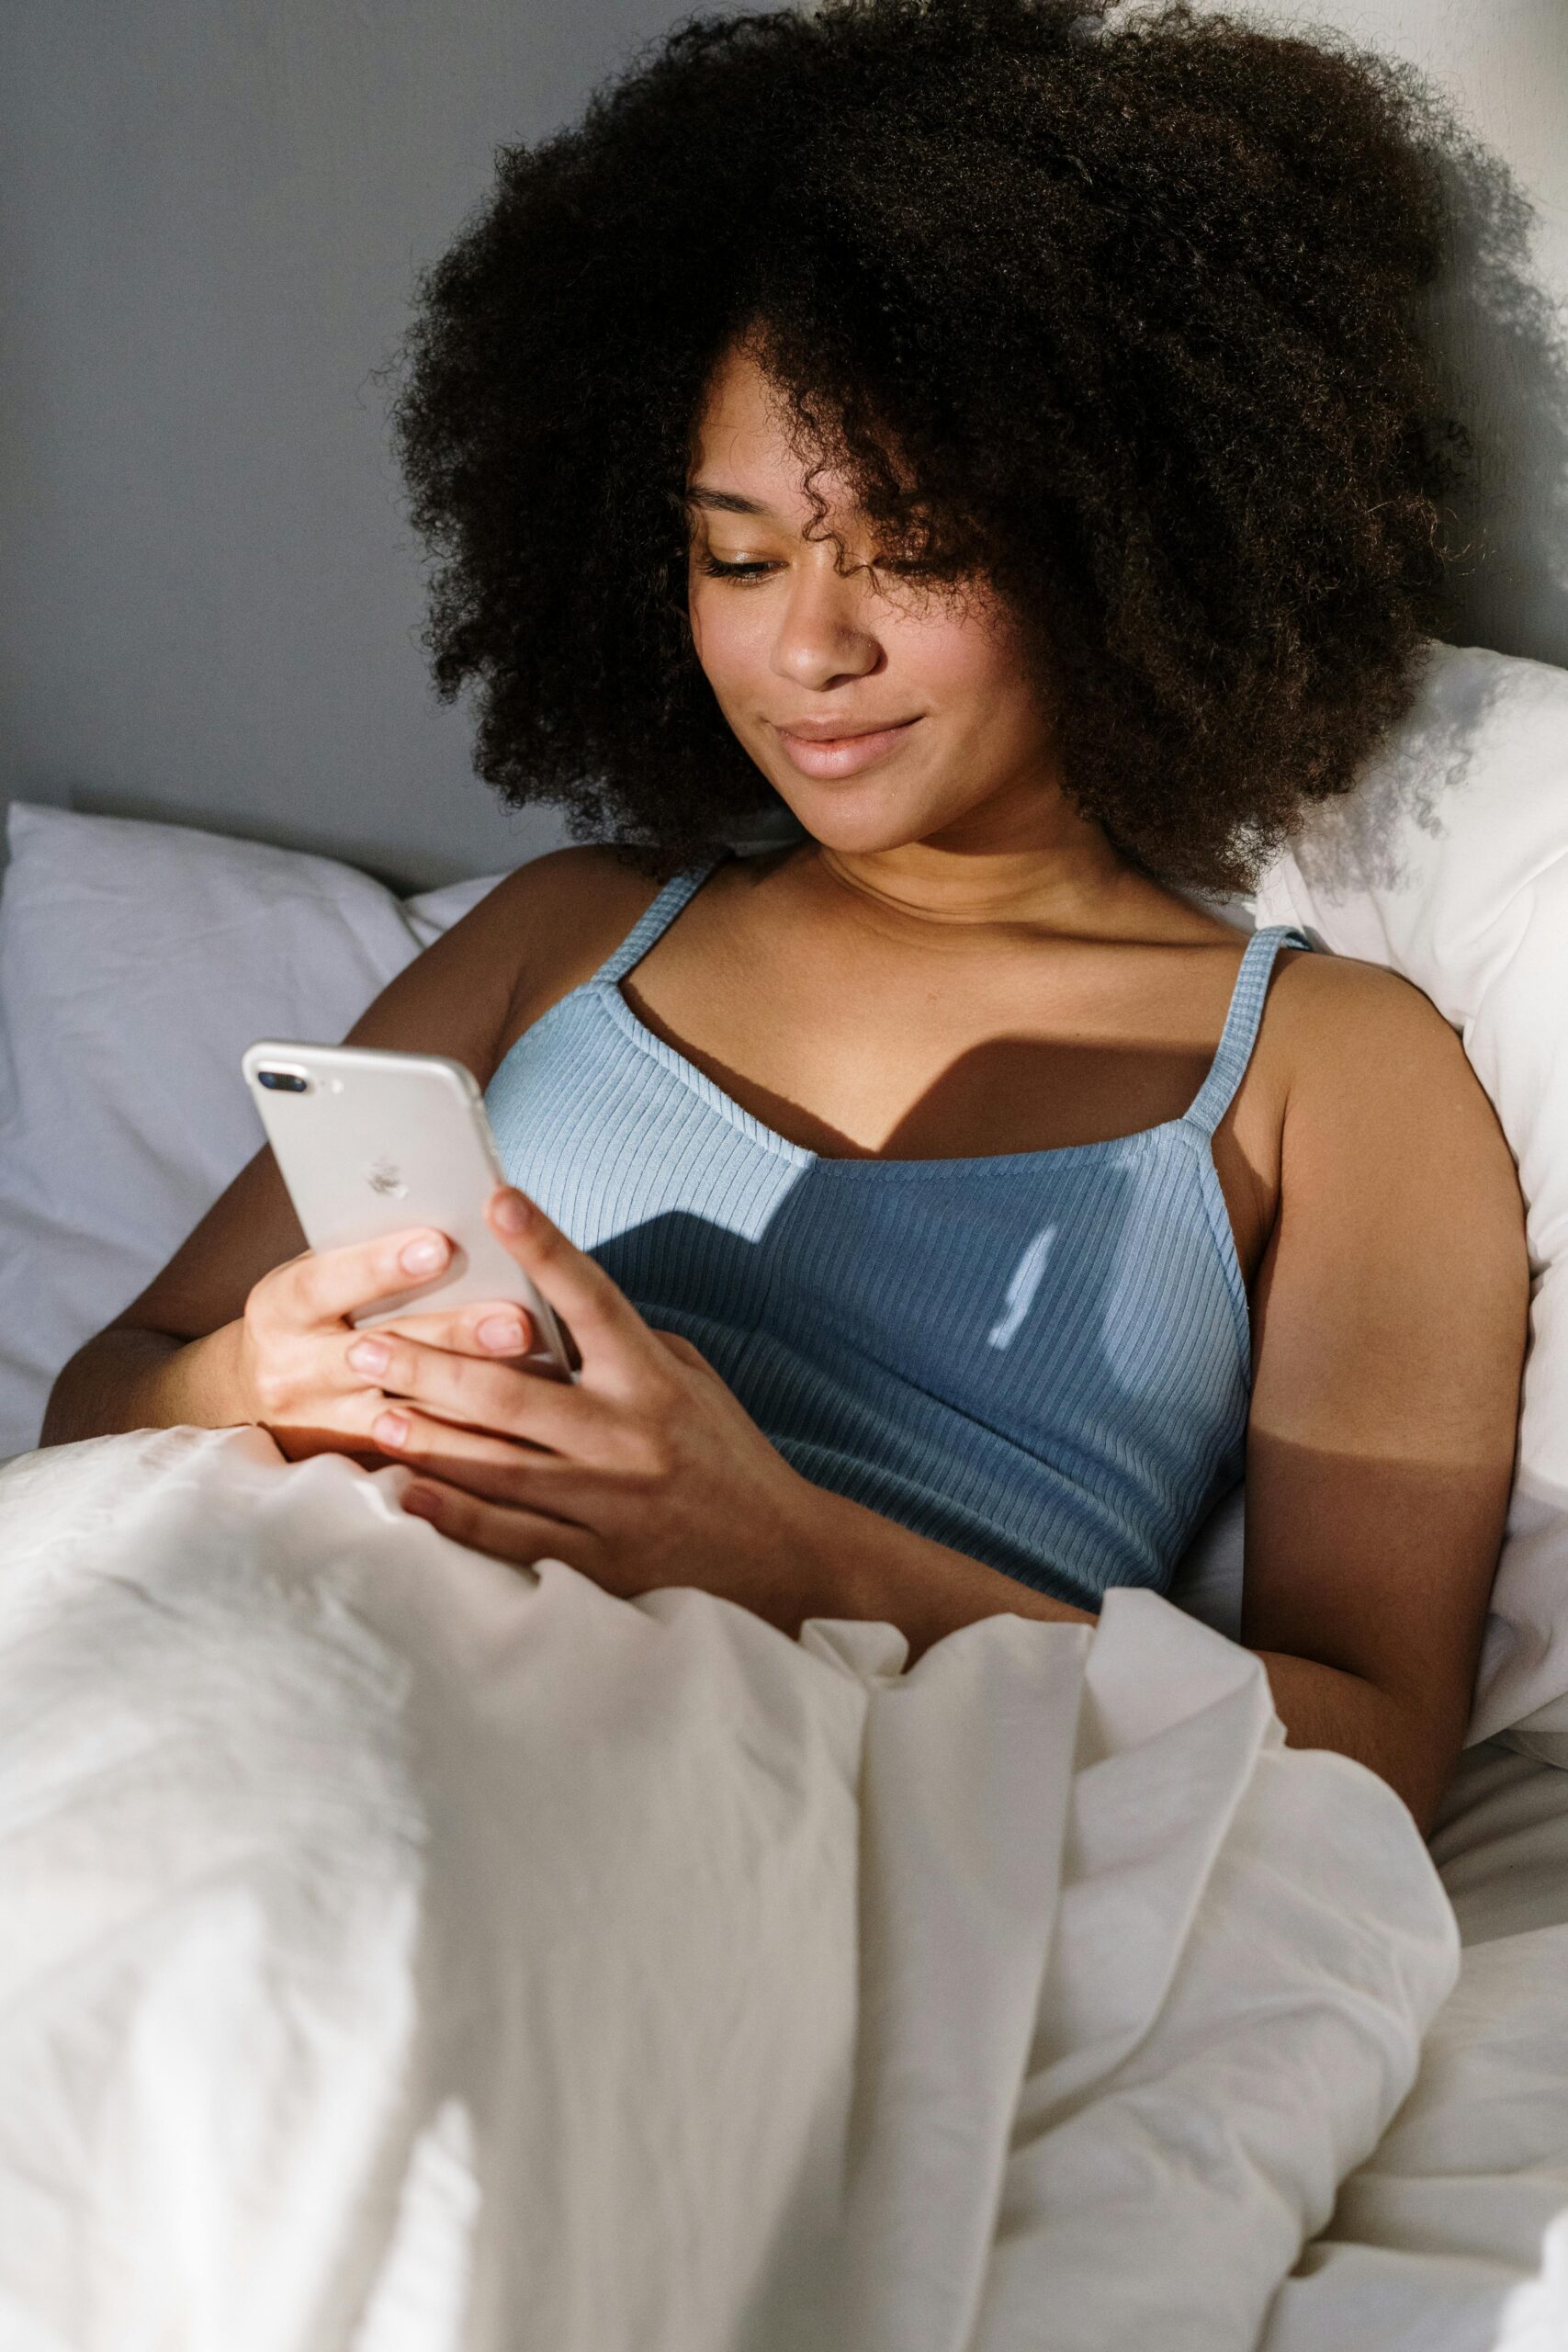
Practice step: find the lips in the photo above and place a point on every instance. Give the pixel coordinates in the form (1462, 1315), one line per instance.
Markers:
(838, 730)
(841, 754)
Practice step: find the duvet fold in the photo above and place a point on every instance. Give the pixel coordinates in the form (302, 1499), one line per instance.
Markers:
(400, 1953)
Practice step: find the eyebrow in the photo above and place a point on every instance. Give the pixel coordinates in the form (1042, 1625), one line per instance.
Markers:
(698, 493)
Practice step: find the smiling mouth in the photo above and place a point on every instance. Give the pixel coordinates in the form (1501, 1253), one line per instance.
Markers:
(831, 757)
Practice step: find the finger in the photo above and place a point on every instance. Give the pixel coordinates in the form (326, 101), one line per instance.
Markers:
(604, 1321)
(495, 1468)
(519, 1537)
(323, 1285)
(494, 1326)
(503, 1397)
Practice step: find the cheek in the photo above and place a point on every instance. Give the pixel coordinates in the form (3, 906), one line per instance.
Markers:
(714, 635)
(967, 668)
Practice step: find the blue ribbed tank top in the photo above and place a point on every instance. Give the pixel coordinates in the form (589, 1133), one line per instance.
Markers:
(1041, 1357)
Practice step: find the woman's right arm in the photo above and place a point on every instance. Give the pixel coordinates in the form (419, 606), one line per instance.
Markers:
(186, 1349)
(173, 1355)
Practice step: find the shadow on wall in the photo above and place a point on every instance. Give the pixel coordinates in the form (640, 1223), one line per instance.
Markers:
(1502, 346)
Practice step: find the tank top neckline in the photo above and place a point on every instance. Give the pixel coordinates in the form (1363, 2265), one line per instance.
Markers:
(1196, 1124)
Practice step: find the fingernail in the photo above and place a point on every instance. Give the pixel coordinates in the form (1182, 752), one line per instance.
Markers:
(370, 1356)
(503, 1333)
(512, 1213)
(422, 1502)
(425, 1256)
(390, 1428)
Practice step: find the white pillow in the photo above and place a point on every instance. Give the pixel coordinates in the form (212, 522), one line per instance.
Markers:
(1449, 864)
(137, 961)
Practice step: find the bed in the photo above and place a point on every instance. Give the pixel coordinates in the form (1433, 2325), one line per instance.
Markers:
(933, 2121)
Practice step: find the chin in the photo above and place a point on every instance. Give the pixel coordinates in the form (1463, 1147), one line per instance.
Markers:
(836, 830)
(862, 826)
(862, 818)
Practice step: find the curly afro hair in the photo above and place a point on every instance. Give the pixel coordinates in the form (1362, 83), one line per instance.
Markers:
(1118, 312)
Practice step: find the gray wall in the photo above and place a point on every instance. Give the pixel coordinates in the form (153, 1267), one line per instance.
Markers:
(210, 216)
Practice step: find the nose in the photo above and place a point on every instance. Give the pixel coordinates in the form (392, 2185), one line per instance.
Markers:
(825, 630)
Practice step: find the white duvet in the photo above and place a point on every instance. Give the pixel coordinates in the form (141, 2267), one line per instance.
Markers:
(401, 1954)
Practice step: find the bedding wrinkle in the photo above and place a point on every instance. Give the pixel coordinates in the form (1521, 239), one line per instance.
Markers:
(629, 1977)
(1041, 1359)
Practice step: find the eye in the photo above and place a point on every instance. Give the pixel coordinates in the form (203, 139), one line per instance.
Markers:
(717, 569)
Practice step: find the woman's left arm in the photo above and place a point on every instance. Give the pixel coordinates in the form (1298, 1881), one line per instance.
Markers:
(1391, 1314)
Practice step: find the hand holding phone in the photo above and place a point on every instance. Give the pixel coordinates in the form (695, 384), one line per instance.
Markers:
(378, 1149)
(296, 1332)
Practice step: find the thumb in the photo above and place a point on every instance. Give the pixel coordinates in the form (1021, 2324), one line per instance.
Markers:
(602, 1320)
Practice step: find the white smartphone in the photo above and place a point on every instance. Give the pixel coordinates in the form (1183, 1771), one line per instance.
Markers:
(370, 1142)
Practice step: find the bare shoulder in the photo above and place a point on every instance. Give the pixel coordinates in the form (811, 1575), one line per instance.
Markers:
(1390, 1144)
(1354, 1040)
(561, 915)
(560, 897)
(541, 930)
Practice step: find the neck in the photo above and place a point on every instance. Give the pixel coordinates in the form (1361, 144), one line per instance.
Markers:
(1043, 865)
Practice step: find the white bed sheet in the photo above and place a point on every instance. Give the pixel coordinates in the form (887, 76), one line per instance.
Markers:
(282, 1774)
(408, 1955)
(1453, 2238)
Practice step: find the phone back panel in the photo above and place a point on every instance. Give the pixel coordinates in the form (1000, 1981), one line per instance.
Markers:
(379, 1141)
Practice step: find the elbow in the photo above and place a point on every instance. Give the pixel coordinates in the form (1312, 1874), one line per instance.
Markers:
(1416, 1749)
(1411, 1739)
(1423, 1794)
(89, 1396)
(66, 1417)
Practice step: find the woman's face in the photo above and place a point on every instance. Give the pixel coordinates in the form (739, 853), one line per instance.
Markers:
(952, 741)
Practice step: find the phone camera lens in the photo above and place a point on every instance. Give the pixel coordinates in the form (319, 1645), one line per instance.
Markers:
(284, 1081)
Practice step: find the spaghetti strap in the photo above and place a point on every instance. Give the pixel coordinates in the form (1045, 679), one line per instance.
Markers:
(1240, 1032)
(656, 918)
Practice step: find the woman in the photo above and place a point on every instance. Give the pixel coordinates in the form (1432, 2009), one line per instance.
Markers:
(998, 435)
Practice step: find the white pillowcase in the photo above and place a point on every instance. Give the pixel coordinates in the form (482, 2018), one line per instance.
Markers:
(1449, 864)
(137, 961)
